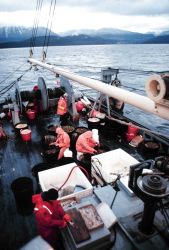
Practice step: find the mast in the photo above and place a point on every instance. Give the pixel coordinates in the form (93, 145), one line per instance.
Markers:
(136, 100)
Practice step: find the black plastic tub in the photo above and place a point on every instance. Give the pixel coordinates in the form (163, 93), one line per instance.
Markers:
(51, 129)
(22, 189)
(47, 139)
(51, 154)
(81, 130)
(93, 123)
(19, 126)
(68, 129)
(113, 128)
(38, 168)
(149, 149)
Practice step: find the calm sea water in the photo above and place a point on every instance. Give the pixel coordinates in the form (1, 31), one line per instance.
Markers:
(134, 62)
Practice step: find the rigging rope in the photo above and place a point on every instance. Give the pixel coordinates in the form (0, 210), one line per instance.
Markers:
(36, 23)
(7, 88)
(49, 26)
(136, 126)
(12, 73)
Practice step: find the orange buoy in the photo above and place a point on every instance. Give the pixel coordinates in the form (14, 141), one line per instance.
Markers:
(26, 134)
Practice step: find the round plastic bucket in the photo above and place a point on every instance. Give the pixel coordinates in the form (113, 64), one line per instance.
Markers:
(51, 154)
(26, 134)
(19, 126)
(31, 106)
(129, 136)
(68, 129)
(132, 130)
(22, 189)
(150, 148)
(47, 139)
(79, 106)
(93, 123)
(31, 114)
(51, 129)
(38, 168)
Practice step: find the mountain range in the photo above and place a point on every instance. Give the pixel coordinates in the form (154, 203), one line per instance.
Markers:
(12, 37)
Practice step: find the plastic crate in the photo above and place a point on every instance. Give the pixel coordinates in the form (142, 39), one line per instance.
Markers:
(55, 177)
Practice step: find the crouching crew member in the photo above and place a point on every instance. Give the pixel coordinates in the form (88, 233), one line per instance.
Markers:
(62, 141)
(86, 144)
(50, 217)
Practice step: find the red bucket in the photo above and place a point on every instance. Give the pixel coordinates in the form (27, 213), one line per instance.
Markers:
(31, 114)
(132, 130)
(130, 136)
(26, 134)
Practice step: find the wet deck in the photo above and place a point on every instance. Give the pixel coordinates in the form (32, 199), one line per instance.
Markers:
(16, 160)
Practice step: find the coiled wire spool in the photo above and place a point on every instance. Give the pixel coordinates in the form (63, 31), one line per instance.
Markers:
(154, 184)
(157, 88)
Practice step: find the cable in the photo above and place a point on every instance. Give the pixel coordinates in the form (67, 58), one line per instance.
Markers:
(50, 27)
(47, 24)
(136, 126)
(12, 73)
(164, 212)
(31, 40)
(70, 175)
(7, 88)
(36, 23)
(114, 240)
(101, 176)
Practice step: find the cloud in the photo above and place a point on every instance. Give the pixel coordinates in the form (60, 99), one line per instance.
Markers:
(120, 7)
(133, 15)
(8, 5)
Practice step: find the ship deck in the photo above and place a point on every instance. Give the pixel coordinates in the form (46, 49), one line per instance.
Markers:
(17, 159)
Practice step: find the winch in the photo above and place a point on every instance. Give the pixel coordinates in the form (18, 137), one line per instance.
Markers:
(154, 184)
(151, 186)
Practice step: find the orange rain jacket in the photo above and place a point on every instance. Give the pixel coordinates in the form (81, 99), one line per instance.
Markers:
(85, 143)
(62, 107)
(62, 141)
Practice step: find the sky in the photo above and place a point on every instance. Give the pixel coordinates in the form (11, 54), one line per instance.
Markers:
(133, 15)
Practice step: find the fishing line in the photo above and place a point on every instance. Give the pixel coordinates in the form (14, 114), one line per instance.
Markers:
(12, 73)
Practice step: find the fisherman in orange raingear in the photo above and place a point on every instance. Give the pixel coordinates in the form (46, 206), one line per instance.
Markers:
(62, 109)
(50, 217)
(86, 143)
(62, 141)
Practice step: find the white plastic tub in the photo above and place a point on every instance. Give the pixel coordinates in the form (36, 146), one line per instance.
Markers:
(114, 162)
(55, 177)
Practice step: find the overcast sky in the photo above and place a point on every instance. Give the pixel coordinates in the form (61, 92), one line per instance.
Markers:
(134, 15)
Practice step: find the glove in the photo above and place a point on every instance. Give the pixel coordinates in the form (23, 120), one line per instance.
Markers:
(67, 218)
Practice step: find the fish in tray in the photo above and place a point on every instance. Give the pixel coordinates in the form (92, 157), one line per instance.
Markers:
(91, 217)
